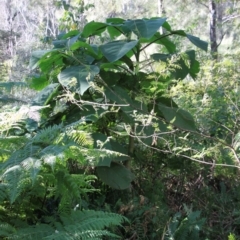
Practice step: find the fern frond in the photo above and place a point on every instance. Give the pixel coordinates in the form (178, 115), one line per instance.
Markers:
(78, 225)
(80, 137)
(32, 232)
(10, 144)
(20, 155)
(9, 120)
(48, 136)
(6, 229)
(91, 220)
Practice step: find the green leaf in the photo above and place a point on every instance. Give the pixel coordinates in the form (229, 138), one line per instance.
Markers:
(105, 142)
(116, 176)
(35, 57)
(160, 57)
(114, 31)
(38, 82)
(198, 42)
(194, 64)
(70, 34)
(115, 21)
(178, 117)
(115, 27)
(157, 38)
(166, 102)
(119, 96)
(45, 95)
(179, 32)
(146, 134)
(91, 50)
(144, 28)
(109, 77)
(167, 26)
(49, 60)
(117, 147)
(59, 43)
(117, 49)
(77, 78)
(72, 40)
(93, 28)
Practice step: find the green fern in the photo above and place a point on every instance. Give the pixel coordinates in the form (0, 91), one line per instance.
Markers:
(77, 225)
(39, 186)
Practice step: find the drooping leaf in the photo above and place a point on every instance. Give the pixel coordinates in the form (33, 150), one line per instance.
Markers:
(198, 42)
(167, 26)
(116, 176)
(144, 28)
(77, 78)
(178, 117)
(117, 49)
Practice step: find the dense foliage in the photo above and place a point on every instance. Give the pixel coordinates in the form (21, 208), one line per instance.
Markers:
(129, 136)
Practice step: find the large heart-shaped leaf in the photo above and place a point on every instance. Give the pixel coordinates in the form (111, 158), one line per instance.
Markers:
(144, 28)
(116, 176)
(117, 49)
(178, 117)
(77, 78)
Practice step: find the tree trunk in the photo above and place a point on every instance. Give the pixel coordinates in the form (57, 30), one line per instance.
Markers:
(161, 10)
(213, 28)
